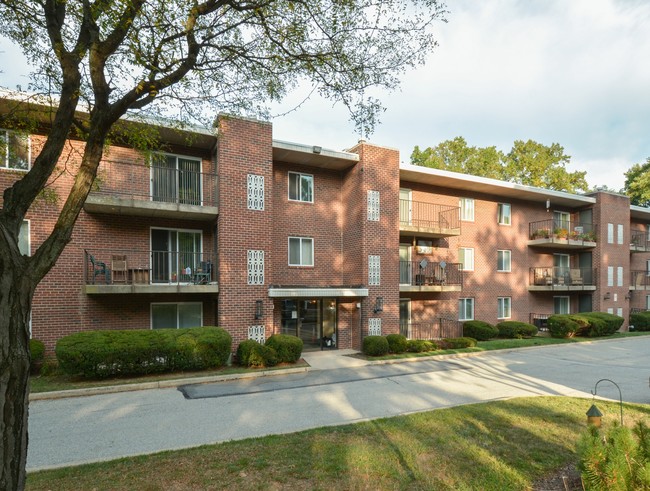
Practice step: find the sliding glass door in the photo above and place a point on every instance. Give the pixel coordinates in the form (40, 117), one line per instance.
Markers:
(175, 255)
(176, 179)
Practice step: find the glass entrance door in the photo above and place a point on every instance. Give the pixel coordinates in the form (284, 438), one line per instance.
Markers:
(312, 320)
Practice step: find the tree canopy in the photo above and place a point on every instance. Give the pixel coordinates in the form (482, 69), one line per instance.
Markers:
(637, 184)
(100, 60)
(530, 163)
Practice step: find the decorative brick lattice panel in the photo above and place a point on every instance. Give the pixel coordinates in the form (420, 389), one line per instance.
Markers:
(374, 327)
(257, 333)
(374, 270)
(255, 267)
(255, 192)
(373, 206)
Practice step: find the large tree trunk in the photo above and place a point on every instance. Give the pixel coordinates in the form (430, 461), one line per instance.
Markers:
(15, 302)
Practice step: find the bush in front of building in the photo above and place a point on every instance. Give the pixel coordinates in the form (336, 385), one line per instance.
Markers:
(602, 323)
(420, 346)
(397, 343)
(36, 355)
(479, 330)
(457, 343)
(640, 321)
(375, 346)
(101, 354)
(562, 326)
(287, 347)
(516, 330)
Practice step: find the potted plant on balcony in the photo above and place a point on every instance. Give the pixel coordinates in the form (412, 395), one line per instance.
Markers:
(561, 233)
(541, 233)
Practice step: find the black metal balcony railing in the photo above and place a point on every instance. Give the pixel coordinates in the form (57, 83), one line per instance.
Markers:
(428, 215)
(640, 279)
(439, 328)
(563, 230)
(639, 240)
(423, 273)
(540, 321)
(128, 267)
(559, 277)
(151, 183)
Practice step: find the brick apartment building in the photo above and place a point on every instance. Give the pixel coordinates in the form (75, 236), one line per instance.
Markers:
(260, 236)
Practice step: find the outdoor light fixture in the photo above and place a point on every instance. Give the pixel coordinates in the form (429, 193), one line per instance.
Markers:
(379, 305)
(629, 295)
(607, 296)
(548, 205)
(317, 149)
(259, 309)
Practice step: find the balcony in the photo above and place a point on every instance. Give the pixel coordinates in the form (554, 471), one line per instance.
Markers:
(562, 234)
(562, 279)
(133, 271)
(640, 280)
(439, 328)
(428, 219)
(425, 276)
(639, 241)
(123, 188)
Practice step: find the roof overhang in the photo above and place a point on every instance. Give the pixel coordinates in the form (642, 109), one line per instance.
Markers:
(475, 184)
(313, 156)
(307, 292)
(640, 213)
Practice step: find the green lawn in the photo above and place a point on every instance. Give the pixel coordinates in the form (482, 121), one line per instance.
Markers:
(504, 445)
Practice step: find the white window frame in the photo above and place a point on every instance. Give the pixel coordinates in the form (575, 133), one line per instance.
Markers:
(504, 307)
(177, 188)
(300, 198)
(462, 258)
(620, 233)
(463, 305)
(151, 307)
(610, 275)
(619, 276)
(503, 253)
(255, 267)
(373, 206)
(610, 310)
(374, 270)
(504, 214)
(4, 159)
(563, 299)
(467, 209)
(300, 240)
(255, 192)
(174, 256)
(610, 233)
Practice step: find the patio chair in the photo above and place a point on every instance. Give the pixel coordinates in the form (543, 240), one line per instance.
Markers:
(99, 268)
(203, 274)
(119, 269)
(576, 277)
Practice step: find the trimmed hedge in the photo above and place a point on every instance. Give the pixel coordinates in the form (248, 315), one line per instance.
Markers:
(516, 330)
(375, 346)
(457, 343)
(562, 326)
(288, 348)
(602, 323)
(479, 330)
(100, 354)
(420, 346)
(397, 343)
(640, 321)
(589, 324)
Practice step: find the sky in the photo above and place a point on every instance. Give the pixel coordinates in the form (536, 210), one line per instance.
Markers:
(573, 72)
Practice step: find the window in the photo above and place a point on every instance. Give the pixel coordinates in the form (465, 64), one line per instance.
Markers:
(610, 275)
(619, 311)
(619, 234)
(503, 261)
(466, 309)
(14, 150)
(561, 305)
(374, 270)
(301, 187)
(467, 209)
(647, 302)
(176, 255)
(619, 276)
(561, 220)
(503, 213)
(503, 307)
(24, 239)
(176, 179)
(610, 310)
(373, 206)
(176, 315)
(255, 267)
(255, 192)
(466, 258)
(610, 233)
(301, 251)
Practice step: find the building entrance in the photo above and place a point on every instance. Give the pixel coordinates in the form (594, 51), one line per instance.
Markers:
(312, 320)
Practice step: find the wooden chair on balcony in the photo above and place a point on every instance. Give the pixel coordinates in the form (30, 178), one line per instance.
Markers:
(119, 269)
(576, 277)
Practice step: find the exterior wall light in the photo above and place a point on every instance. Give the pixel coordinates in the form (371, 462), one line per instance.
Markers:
(607, 296)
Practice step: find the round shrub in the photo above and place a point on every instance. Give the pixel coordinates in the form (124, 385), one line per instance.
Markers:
(244, 351)
(375, 346)
(516, 330)
(288, 348)
(602, 323)
(420, 346)
(397, 343)
(457, 343)
(640, 321)
(262, 356)
(562, 326)
(479, 330)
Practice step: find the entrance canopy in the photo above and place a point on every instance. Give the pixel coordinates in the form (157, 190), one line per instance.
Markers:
(310, 292)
